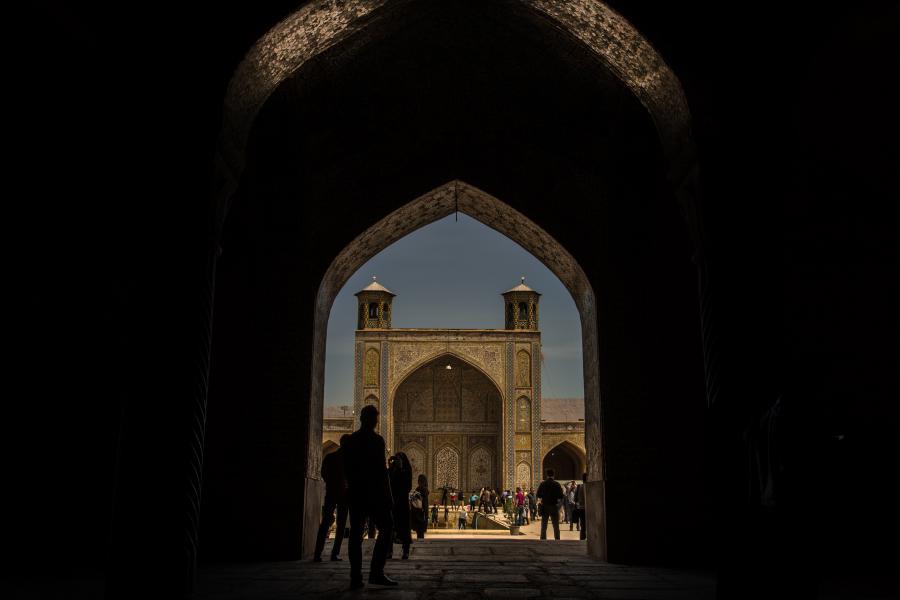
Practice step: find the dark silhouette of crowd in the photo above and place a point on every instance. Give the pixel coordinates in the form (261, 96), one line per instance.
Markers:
(379, 496)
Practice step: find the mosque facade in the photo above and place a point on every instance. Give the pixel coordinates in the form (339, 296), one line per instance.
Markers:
(463, 404)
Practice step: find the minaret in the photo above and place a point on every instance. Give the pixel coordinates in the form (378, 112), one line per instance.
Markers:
(374, 306)
(521, 304)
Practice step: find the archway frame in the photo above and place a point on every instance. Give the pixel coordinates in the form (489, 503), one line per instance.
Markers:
(492, 212)
(322, 24)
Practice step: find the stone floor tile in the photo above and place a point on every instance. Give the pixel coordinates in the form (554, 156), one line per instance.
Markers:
(505, 592)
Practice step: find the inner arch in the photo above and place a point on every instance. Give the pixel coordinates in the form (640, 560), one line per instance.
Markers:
(435, 407)
(459, 196)
(567, 461)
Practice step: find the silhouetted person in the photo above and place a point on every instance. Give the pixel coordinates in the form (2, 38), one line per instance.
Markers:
(549, 493)
(532, 501)
(335, 498)
(369, 495)
(418, 515)
(400, 473)
(579, 506)
(434, 516)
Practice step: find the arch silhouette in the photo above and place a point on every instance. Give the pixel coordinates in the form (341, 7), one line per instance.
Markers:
(436, 204)
(437, 356)
(321, 25)
(572, 452)
(329, 446)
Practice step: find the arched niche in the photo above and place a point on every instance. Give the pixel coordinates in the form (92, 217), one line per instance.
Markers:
(567, 460)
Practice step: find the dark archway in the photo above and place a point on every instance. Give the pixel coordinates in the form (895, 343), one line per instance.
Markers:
(567, 461)
(588, 195)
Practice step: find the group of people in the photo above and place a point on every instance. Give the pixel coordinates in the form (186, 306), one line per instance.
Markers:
(554, 498)
(376, 496)
(563, 502)
(358, 484)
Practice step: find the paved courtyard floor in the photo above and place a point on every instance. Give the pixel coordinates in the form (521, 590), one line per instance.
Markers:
(445, 567)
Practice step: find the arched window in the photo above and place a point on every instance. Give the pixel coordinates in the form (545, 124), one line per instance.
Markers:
(523, 311)
(523, 414)
(373, 310)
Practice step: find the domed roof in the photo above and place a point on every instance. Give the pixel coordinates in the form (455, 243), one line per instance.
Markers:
(375, 287)
(521, 288)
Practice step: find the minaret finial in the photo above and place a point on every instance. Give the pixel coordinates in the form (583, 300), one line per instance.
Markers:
(373, 278)
(523, 279)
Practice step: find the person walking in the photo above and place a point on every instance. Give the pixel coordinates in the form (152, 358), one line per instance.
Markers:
(526, 514)
(418, 505)
(369, 495)
(493, 501)
(434, 516)
(461, 517)
(532, 502)
(335, 498)
(549, 493)
(520, 507)
(579, 507)
(400, 473)
(570, 503)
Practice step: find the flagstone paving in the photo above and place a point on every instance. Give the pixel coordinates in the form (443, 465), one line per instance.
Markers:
(467, 567)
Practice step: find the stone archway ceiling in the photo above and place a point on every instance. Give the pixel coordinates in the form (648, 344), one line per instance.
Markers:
(322, 24)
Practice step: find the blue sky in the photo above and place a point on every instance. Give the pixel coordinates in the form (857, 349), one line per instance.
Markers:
(451, 274)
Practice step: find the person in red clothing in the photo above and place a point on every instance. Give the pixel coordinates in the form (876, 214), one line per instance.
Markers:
(520, 506)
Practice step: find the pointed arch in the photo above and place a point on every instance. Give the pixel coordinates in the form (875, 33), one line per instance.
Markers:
(496, 214)
(321, 25)
(567, 459)
(435, 356)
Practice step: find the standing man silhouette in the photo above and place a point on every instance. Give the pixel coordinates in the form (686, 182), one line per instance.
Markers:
(549, 494)
(369, 495)
(335, 497)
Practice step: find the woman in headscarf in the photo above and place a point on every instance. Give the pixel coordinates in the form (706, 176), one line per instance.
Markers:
(418, 516)
(400, 473)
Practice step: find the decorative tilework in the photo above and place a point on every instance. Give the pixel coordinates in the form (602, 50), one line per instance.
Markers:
(387, 419)
(510, 417)
(358, 383)
(536, 413)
